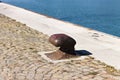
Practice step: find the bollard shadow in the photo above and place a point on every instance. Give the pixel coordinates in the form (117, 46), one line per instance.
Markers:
(83, 53)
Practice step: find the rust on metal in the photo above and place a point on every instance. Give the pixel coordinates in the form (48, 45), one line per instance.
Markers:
(66, 44)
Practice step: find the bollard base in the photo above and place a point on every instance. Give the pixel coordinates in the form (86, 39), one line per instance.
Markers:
(56, 56)
(59, 55)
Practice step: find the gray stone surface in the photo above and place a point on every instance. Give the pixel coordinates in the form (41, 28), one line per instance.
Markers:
(19, 60)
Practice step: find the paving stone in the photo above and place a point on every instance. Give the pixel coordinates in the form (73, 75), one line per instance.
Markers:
(19, 60)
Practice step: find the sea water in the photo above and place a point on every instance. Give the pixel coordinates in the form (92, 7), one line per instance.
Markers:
(102, 15)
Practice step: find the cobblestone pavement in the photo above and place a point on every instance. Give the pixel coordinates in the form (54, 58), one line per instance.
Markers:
(19, 60)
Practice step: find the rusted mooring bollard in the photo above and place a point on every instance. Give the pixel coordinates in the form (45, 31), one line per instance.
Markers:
(66, 44)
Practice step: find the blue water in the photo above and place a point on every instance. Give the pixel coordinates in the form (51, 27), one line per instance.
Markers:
(102, 15)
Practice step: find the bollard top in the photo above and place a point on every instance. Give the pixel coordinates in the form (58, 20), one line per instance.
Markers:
(59, 40)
